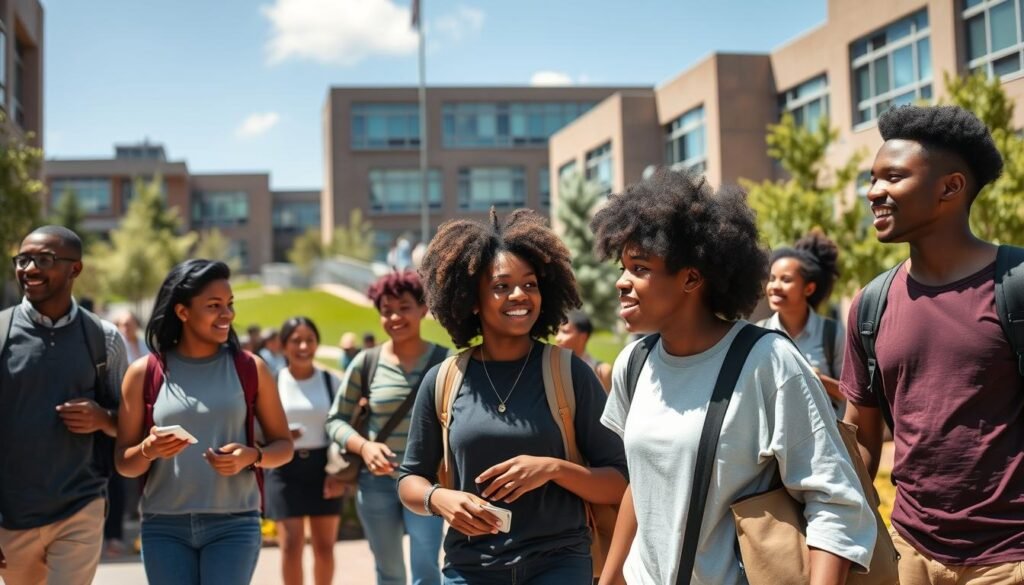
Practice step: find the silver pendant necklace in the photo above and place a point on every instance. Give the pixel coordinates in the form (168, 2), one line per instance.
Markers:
(502, 402)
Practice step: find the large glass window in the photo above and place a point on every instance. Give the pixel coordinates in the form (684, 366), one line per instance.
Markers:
(220, 208)
(3, 66)
(482, 187)
(385, 126)
(295, 216)
(93, 194)
(505, 124)
(599, 167)
(685, 147)
(807, 102)
(18, 101)
(399, 190)
(995, 40)
(891, 67)
(544, 187)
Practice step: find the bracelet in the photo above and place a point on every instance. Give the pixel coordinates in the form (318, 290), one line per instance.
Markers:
(259, 458)
(426, 500)
(364, 443)
(142, 449)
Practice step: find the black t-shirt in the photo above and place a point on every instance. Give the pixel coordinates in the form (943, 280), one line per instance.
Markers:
(546, 521)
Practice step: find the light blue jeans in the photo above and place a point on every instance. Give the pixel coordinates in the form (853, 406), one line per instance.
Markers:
(200, 549)
(385, 520)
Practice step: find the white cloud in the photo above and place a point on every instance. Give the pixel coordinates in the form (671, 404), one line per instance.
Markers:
(550, 78)
(345, 32)
(257, 124)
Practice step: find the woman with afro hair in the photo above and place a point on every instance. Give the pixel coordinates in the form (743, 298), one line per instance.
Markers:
(691, 268)
(799, 280)
(508, 284)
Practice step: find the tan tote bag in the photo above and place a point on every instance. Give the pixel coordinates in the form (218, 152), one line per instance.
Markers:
(770, 526)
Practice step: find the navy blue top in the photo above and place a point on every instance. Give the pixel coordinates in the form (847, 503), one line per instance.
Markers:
(548, 520)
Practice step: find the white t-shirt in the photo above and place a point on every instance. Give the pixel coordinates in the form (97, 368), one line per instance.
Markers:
(307, 402)
(779, 413)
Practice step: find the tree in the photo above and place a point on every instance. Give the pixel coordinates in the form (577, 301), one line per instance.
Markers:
(306, 250)
(69, 213)
(816, 196)
(354, 240)
(998, 213)
(21, 191)
(213, 245)
(595, 279)
(144, 248)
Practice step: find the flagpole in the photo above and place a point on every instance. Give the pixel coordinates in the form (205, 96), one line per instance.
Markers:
(424, 182)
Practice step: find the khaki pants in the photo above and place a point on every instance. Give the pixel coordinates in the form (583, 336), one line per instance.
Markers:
(62, 553)
(917, 568)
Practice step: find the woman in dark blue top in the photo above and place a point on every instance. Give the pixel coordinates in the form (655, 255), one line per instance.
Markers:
(510, 284)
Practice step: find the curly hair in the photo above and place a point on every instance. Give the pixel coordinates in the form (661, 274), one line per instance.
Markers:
(951, 129)
(678, 216)
(462, 252)
(818, 257)
(394, 284)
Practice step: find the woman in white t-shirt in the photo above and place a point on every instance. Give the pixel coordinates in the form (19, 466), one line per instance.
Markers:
(296, 491)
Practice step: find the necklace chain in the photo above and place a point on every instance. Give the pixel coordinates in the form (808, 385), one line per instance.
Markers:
(501, 402)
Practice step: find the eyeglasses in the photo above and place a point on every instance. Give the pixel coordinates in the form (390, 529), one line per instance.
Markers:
(43, 260)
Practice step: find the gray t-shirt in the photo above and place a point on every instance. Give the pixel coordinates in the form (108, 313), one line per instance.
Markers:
(779, 419)
(205, 397)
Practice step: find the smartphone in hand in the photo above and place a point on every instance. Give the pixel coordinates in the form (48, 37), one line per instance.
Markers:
(176, 431)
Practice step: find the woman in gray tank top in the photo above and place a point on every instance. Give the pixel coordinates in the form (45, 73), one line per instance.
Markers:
(201, 498)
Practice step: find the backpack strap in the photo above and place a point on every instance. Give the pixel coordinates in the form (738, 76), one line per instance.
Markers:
(708, 446)
(151, 385)
(96, 344)
(873, 299)
(328, 386)
(446, 389)
(1010, 298)
(637, 359)
(248, 375)
(557, 372)
(371, 358)
(829, 330)
(6, 317)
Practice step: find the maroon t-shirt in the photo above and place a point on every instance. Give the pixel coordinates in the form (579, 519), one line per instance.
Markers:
(958, 404)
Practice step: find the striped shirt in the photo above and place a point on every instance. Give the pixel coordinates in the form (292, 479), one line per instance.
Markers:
(388, 389)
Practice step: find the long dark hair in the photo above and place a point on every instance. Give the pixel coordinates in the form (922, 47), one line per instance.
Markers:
(183, 283)
(294, 323)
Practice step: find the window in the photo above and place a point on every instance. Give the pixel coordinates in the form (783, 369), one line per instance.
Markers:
(18, 102)
(599, 167)
(128, 190)
(482, 187)
(220, 208)
(400, 190)
(891, 67)
(544, 187)
(93, 194)
(3, 66)
(684, 141)
(239, 249)
(297, 216)
(807, 102)
(995, 43)
(385, 126)
(566, 172)
(505, 124)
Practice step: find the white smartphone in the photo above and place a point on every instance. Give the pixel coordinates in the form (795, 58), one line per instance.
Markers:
(297, 427)
(177, 431)
(504, 515)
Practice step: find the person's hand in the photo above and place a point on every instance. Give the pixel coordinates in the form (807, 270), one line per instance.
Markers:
(511, 479)
(161, 447)
(231, 458)
(83, 416)
(333, 487)
(378, 458)
(296, 432)
(464, 512)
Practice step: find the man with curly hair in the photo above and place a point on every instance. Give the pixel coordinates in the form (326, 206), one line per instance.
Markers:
(949, 377)
(692, 267)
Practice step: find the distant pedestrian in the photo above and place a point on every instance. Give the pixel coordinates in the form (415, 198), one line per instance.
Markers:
(349, 349)
(271, 352)
(573, 335)
(297, 492)
(200, 504)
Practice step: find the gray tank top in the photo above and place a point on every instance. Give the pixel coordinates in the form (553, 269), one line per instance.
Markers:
(204, 396)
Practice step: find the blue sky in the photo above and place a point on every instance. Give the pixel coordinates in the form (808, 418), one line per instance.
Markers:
(238, 85)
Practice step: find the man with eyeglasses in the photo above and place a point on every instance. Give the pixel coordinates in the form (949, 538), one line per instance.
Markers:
(60, 377)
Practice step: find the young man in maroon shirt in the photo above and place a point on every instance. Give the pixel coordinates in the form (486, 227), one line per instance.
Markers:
(946, 366)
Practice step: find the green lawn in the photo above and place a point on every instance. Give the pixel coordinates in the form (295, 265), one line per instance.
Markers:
(334, 316)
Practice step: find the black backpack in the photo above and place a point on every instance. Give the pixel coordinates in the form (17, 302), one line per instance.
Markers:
(1009, 306)
(96, 344)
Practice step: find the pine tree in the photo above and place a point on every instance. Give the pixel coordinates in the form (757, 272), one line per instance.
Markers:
(595, 279)
(213, 245)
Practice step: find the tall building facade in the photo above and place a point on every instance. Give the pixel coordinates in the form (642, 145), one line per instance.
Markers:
(868, 56)
(21, 66)
(486, 146)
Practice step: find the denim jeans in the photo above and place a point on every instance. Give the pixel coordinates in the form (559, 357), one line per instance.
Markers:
(198, 549)
(385, 520)
(555, 570)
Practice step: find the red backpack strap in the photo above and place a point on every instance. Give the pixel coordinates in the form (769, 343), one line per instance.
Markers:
(151, 385)
(248, 375)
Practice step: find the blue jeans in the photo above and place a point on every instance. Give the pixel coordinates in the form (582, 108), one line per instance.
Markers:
(198, 549)
(385, 520)
(555, 570)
